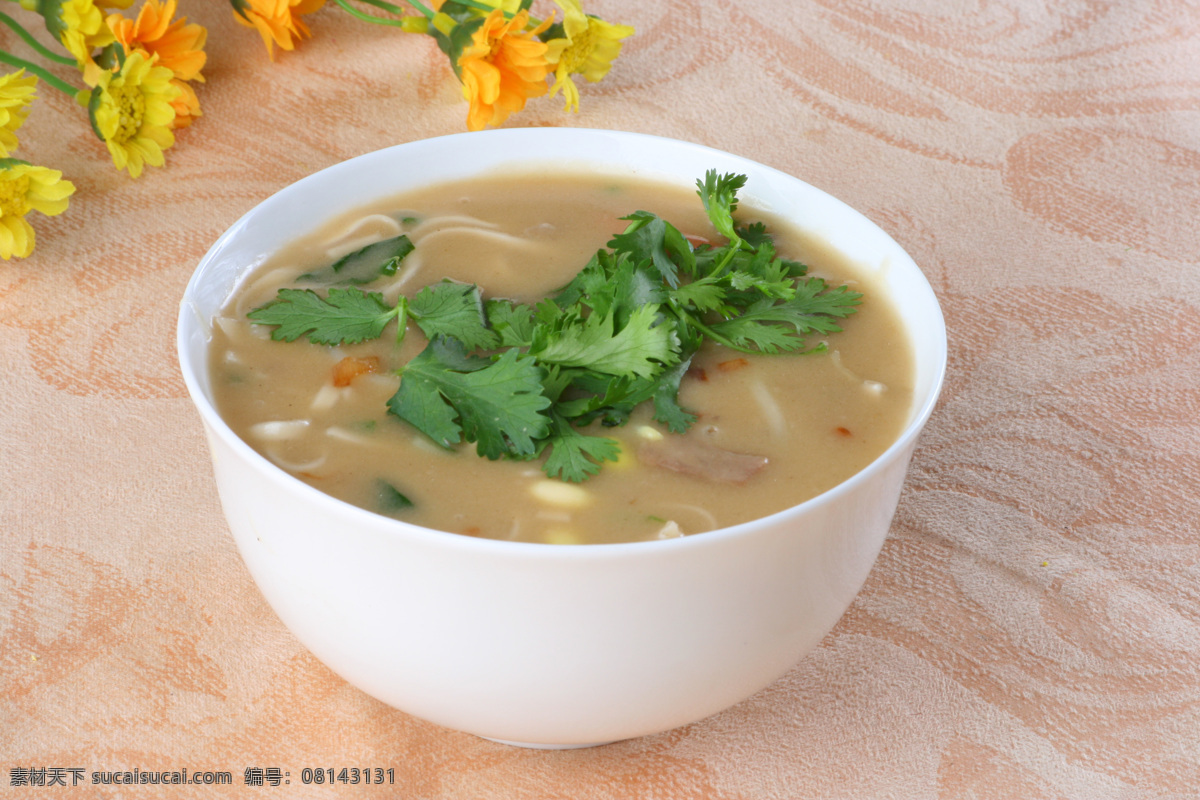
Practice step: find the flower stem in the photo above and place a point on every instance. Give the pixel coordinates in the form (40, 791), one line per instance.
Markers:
(354, 12)
(34, 43)
(385, 6)
(41, 72)
(484, 7)
(425, 10)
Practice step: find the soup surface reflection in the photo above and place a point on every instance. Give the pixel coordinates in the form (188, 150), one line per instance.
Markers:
(772, 431)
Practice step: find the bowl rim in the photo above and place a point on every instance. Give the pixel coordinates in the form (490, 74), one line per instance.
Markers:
(188, 319)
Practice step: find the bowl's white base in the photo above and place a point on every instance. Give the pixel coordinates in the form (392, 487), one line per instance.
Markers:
(535, 746)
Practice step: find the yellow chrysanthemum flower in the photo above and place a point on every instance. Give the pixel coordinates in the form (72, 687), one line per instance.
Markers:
(16, 93)
(25, 188)
(504, 66)
(82, 32)
(131, 111)
(589, 47)
(277, 21)
(178, 44)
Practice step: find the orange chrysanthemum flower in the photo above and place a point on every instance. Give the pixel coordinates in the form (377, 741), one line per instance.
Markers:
(277, 21)
(178, 45)
(186, 105)
(504, 66)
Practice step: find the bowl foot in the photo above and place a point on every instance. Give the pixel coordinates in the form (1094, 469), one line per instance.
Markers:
(535, 746)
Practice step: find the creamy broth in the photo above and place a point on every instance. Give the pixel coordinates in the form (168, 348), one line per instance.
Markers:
(816, 419)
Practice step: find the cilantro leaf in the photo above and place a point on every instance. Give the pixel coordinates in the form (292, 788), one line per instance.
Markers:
(780, 288)
(575, 456)
(755, 234)
(633, 286)
(605, 397)
(453, 309)
(651, 238)
(612, 400)
(750, 333)
(451, 396)
(815, 299)
(704, 294)
(621, 333)
(781, 327)
(390, 500)
(590, 284)
(719, 196)
(555, 381)
(346, 316)
(641, 348)
(512, 323)
(366, 264)
(665, 393)
(420, 403)
(760, 271)
(613, 283)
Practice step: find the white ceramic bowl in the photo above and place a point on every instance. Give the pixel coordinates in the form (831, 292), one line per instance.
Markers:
(548, 645)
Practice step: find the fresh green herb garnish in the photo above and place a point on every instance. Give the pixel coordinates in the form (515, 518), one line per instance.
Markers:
(521, 381)
(350, 316)
(718, 193)
(451, 396)
(390, 500)
(575, 456)
(344, 316)
(364, 265)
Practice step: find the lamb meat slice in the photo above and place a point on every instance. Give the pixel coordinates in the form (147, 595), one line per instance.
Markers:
(695, 457)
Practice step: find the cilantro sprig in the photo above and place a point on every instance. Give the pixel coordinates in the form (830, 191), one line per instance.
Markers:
(351, 315)
(524, 381)
(451, 396)
(344, 316)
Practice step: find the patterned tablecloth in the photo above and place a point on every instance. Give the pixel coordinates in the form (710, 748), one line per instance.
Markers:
(1032, 626)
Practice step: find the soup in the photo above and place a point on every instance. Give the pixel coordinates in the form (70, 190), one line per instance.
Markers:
(769, 431)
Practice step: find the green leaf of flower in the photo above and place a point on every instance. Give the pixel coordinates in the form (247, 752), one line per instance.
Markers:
(459, 37)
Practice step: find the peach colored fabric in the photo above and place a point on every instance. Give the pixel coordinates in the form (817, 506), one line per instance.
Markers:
(1032, 626)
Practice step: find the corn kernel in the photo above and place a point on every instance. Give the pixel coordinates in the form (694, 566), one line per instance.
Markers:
(625, 460)
(650, 434)
(561, 495)
(563, 536)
